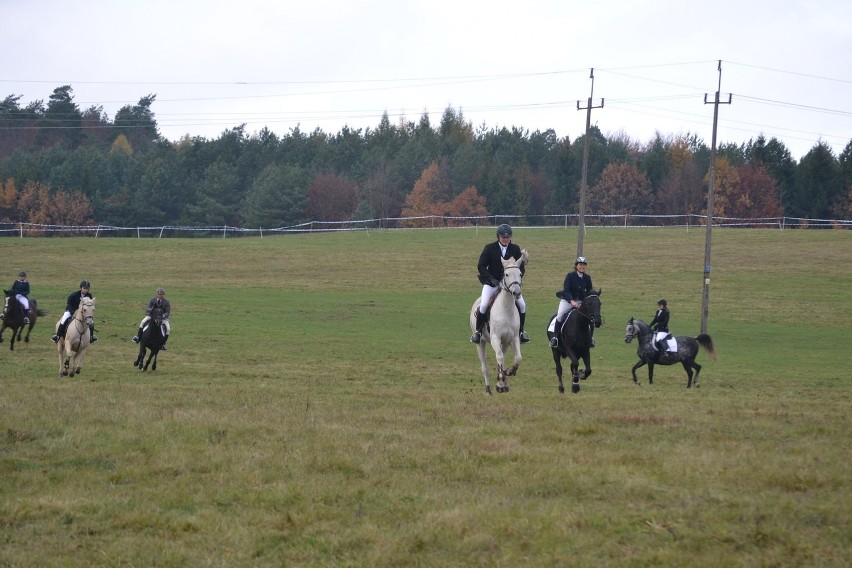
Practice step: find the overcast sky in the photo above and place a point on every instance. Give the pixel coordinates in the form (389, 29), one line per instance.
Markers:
(214, 65)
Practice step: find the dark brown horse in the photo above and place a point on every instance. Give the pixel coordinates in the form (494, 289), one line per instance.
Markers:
(13, 317)
(152, 341)
(575, 339)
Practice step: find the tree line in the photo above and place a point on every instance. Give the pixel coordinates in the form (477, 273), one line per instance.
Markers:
(63, 165)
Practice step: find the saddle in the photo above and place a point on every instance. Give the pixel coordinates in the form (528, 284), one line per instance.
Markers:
(671, 343)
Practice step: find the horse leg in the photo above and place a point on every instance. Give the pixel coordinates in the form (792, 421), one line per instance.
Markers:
(558, 360)
(697, 371)
(483, 361)
(587, 371)
(650, 373)
(633, 370)
(501, 360)
(154, 362)
(688, 366)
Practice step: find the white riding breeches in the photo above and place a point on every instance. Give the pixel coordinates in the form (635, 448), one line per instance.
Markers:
(489, 291)
(166, 323)
(64, 317)
(564, 308)
(24, 301)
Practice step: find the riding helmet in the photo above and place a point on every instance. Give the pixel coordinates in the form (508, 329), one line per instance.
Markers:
(580, 260)
(161, 291)
(661, 302)
(22, 273)
(504, 230)
(85, 284)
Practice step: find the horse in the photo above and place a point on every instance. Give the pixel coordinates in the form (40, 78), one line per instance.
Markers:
(152, 340)
(72, 346)
(575, 340)
(687, 350)
(13, 318)
(503, 328)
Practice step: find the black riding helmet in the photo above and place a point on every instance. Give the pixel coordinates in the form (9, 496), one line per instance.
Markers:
(504, 230)
(661, 302)
(85, 284)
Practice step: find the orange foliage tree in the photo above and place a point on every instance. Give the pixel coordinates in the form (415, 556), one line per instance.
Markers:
(331, 197)
(35, 204)
(431, 198)
(621, 189)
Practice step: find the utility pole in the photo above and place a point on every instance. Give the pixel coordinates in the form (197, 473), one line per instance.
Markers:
(705, 298)
(581, 221)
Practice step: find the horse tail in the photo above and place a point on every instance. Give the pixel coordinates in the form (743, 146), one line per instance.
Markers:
(707, 343)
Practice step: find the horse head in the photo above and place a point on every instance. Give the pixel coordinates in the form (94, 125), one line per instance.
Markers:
(512, 275)
(591, 307)
(634, 328)
(157, 316)
(87, 310)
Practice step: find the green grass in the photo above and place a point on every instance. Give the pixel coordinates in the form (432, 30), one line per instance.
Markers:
(320, 405)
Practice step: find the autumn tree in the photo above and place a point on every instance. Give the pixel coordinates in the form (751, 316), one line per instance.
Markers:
(38, 206)
(465, 205)
(8, 200)
(331, 197)
(429, 197)
(621, 189)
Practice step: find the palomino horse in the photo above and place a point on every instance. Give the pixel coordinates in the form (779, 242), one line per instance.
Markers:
(72, 347)
(503, 325)
(14, 319)
(152, 340)
(687, 350)
(575, 340)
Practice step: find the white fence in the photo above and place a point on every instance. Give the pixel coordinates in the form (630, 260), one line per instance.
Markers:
(395, 223)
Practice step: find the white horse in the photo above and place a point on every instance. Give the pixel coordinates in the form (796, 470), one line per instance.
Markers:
(503, 325)
(72, 347)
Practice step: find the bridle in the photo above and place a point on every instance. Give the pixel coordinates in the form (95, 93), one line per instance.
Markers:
(86, 321)
(584, 314)
(508, 286)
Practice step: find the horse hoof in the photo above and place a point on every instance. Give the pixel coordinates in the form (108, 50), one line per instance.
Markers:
(488, 390)
(562, 389)
(575, 387)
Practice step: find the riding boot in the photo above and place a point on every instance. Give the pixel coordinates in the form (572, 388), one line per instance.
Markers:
(557, 331)
(25, 316)
(60, 332)
(480, 323)
(524, 337)
(92, 337)
(164, 347)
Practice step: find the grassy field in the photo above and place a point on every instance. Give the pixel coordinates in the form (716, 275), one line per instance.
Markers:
(320, 405)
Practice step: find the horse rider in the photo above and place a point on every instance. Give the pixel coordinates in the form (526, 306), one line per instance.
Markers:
(71, 306)
(20, 290)
(158, 301)
(660, 324)
(490, 270)
(576, 286)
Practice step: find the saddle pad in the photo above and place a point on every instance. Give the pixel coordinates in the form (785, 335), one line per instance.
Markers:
(671, 344)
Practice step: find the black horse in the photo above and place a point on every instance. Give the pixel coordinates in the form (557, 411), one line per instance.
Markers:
(152, 340)
(13, 317)
(687, 350)
(575, 340)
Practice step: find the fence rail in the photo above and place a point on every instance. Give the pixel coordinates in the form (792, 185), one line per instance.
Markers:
(426, 222)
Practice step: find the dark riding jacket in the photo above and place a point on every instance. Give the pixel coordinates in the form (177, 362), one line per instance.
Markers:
(162, 304)
(21, 287)
(575, 287)
(74, 300)
(661, 321)
(490, 264)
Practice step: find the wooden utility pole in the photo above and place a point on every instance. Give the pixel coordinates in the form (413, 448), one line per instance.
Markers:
(705, 298)
(581, 221)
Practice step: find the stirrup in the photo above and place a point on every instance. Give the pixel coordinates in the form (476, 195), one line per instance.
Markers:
(164, 347)
(55, 339)
(554, 342)
(93, 339)
(26, 320)
(476, 337)
(135, 339)
(524, 337)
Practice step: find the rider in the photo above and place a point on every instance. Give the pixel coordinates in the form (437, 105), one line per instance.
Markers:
(574, 289)
(660, 323)
(71, 306)
(490, 270)
(20, 290)
(158, 301)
